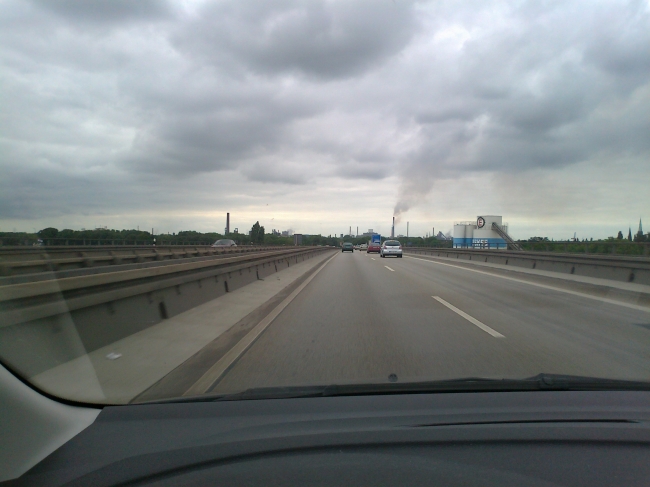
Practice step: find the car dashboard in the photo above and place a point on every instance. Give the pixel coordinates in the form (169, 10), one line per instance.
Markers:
(496, 438)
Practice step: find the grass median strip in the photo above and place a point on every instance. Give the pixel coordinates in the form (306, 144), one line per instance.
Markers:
(469, 318)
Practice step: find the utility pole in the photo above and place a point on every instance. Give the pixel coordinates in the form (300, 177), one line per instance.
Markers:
(407, 229)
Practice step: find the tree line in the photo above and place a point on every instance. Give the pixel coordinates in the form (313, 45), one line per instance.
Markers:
(256, 236)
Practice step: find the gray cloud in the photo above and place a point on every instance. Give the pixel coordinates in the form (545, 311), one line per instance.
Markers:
(321, 39)
(124, 100)
(107, 11)
(539, 91)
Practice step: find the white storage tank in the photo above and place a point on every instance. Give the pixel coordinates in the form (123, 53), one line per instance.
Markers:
(463, 234)
(485, 237)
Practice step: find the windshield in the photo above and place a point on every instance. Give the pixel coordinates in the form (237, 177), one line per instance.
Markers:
(504, 147)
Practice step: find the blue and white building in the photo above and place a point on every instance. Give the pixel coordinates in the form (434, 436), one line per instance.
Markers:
(480, 234)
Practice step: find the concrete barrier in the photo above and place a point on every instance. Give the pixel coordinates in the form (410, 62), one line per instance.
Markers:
(16, 261)
(617, 268)
(44, 320)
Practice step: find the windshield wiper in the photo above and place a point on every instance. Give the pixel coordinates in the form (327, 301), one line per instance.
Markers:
(541, 382)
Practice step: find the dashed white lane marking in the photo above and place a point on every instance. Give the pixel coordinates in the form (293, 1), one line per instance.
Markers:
(372, 258)
(392, 270)
(544, 286)
(469, 318)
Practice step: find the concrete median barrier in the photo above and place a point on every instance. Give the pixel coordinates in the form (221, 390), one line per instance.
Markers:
(617, 268)
(48, 322)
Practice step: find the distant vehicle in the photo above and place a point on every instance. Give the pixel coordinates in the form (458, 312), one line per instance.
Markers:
(363, 247)
(224, 242)
(38, 243)
(373, 247)
(347, 247)
(391, 247)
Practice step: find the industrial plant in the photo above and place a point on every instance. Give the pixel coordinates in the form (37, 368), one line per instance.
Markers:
(486, 232)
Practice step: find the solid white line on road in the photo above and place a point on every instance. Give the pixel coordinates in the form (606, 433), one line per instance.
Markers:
(392, 270)
(544, 286)
(223, 365)
(469, 318)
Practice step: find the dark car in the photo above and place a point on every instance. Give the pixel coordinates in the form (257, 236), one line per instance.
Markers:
(347, 247)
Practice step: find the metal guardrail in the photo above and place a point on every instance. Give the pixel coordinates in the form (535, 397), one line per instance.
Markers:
(613, 247)
(35, 241)
(21, 260)
(605, 266)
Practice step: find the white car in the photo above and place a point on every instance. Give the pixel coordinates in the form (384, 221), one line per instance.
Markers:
(224, 242)
(391, 247)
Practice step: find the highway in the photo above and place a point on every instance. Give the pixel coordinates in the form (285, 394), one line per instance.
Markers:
(363, 318)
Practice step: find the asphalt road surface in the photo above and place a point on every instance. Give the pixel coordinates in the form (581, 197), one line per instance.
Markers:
(363, 318)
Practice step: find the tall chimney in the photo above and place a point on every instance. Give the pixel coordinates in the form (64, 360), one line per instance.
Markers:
(227, 223)
(392, 230)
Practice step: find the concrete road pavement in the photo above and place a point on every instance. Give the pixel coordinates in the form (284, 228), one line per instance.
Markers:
(363, 318)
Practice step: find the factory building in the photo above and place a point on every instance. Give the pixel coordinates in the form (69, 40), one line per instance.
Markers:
(486, 232)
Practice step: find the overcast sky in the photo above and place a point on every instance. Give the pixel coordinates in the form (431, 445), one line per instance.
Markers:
(321, 115)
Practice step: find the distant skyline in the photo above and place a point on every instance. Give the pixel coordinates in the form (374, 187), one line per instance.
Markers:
(400, 229)
(317, 115)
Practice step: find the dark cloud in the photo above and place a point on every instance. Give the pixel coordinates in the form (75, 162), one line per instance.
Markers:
(364, 170)
(108, 11)
(322, 39)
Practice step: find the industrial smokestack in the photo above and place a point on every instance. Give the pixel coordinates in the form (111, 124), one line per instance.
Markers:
(227, 223)
(392, 230)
